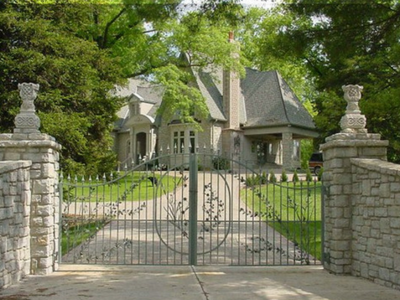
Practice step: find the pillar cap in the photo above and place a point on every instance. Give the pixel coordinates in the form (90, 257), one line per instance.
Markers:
(353, 136)
(354, 140)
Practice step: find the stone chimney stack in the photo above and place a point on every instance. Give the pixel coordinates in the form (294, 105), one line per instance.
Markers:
(231, 93)
(231, 134)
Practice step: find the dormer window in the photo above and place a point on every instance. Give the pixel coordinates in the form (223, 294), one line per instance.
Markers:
(135, 108)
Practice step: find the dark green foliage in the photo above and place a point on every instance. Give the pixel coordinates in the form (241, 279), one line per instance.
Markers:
(78, 51)
(272, 177)
(221, 163)
(295, 176)
(309, 176)
(350, 42)
(320, 173)
(319, 46)
(257, 179)
(284, 177)
(39, 45)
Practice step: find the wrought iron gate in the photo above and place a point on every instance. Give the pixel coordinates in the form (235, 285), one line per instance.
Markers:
(175, 210)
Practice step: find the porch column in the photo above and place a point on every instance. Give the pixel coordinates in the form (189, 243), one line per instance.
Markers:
(287, 150)
(132, 153)
(151, 142)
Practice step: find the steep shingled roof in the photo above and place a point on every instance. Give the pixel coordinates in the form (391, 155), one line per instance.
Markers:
(150, 93)
(271, 102)
(122, 117)
(266, 100)
(210, 86)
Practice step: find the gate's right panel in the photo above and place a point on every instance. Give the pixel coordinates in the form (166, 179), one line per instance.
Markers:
(257, 217)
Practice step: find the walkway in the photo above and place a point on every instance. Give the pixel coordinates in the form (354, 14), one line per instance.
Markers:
(195, 283)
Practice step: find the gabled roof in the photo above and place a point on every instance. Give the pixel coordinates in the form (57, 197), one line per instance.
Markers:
(271, 102)
(122, 117)
(140, 90)
(210, 86)
(266, 100)
(151, 93)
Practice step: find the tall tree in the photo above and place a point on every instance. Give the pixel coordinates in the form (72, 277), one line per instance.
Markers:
(79, 51)
(261, 34)
(321, 45)
(73, 74)
(347, 42)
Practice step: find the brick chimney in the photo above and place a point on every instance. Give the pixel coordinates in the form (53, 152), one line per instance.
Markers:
(231, 93)
(231, 133)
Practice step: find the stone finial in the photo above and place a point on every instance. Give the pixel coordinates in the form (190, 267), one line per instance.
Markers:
(352, 94)
(353, 121)
(27, 121)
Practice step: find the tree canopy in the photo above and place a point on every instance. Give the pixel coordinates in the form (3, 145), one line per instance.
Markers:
(79, 51)
(334, 43)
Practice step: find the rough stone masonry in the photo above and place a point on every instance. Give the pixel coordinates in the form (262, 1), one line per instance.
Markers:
(28, 148)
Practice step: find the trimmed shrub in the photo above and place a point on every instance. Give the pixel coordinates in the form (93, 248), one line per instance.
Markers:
(284, 177)
(309, 177)
(295, 176)
(272, 177)
(221, 163)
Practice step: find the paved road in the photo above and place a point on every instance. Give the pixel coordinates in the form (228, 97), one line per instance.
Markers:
(195, 283)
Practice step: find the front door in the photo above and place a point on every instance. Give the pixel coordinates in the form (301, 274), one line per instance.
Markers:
(141, 141)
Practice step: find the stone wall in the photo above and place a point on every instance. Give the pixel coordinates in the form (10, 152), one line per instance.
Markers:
(337, 179)
(376, 221)
(36, 197)
(42, 151)
(15, 201)
(361, 202)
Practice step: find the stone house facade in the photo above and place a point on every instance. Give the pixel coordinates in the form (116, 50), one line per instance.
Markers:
(256, 119)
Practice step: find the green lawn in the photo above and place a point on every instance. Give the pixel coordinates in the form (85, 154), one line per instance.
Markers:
(78, 228)
(293, 209)
(74, 233)
(131, 187)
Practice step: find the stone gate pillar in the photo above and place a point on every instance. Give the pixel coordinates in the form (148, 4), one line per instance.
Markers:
(29, 144)
(352, 142)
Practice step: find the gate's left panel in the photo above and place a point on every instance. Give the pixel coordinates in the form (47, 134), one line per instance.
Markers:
(124, 220)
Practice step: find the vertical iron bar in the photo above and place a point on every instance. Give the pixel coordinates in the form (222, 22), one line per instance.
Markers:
(323, 192)
(259, 220)
(273, 222)
(295, 221)
(132, 229)
(203, 218)
(288, 221)
(104, 218)
(193, 172)
(301, 222)
(60, 220)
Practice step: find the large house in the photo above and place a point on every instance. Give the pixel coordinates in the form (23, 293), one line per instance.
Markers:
(256, 119)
